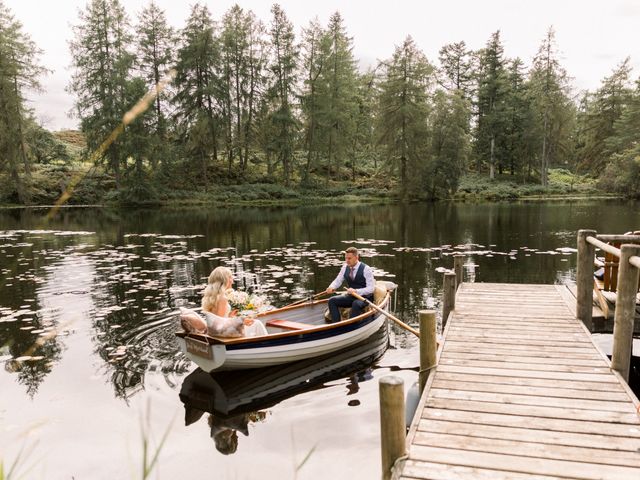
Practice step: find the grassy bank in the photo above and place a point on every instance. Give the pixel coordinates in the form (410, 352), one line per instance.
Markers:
(562, 184)
(94, 187)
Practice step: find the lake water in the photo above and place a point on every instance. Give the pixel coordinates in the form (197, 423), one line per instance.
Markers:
(87, 330)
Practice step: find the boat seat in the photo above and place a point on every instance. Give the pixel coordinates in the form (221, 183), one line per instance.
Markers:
(287, 324)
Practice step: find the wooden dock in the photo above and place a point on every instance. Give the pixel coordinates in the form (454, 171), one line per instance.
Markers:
(521, 391)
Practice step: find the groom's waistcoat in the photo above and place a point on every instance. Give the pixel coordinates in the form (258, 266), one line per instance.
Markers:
(358, 280)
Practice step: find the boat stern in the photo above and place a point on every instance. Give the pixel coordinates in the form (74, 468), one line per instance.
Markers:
(208, 357)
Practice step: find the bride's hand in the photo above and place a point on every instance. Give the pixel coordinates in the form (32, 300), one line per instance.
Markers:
(233, 313)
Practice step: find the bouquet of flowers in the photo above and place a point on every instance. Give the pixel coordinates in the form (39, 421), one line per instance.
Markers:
(247, 304)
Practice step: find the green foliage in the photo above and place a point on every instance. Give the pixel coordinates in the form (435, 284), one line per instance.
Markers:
(44, 147)
(506, 187)
(252, 106)
(102, 66)
(337, 95)
(449, 144)
(196, 84)
(155, 56)
(47, 182)
(457, 69)
(19, 71)
(403, 111)
(279, 119)
(622, 174)
(599, 113)
(492, 119)
(554, 110)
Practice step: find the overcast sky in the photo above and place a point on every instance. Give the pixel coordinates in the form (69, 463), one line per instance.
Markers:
(593, 36)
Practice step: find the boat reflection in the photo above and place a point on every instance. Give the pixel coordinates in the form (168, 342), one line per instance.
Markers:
(236, 398)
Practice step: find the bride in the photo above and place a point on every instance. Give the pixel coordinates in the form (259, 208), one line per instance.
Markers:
(219, 319)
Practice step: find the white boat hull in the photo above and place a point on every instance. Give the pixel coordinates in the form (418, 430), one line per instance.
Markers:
(226, 357)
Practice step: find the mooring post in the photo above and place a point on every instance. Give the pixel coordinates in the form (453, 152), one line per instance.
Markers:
(584, 277)
(392, 426)
(448, 296)
(458, 268)
(428, 345)
(625, 311)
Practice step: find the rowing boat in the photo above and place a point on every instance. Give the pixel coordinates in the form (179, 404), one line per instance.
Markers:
(294, 333)
(230, 393)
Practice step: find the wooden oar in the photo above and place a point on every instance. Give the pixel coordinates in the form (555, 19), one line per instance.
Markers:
(306, 299)
(388, 315)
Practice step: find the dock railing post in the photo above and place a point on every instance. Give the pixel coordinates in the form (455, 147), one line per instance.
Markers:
(392, 423)
(458, 268)
(428, 345)
(448, 296)
(625, 311)
(584, 277)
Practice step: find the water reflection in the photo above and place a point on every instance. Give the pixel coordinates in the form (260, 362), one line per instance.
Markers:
(235, 398)
(117, 276)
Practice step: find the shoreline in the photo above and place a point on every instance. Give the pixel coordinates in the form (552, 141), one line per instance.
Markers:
(345, 199)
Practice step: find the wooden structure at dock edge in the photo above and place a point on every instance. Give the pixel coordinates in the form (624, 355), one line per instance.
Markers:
(521, 391)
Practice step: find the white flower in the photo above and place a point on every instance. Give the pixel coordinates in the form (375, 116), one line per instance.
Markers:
(237, 299)
(243, 302)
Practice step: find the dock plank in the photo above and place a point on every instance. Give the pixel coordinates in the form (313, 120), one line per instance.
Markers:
(588, 394)
(523, 464)
(590, 440)
(529, 447)
(521, 391)
(537, 423)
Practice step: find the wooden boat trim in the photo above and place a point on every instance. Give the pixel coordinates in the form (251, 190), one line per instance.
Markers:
(314, 329)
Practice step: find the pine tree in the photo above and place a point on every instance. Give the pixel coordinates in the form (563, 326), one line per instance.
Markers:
(102, 64)
(449, 144)
(364, 138)
(198, 87)
(520, 135)
(549, 86)
(243, 52)
(403, 111)
(256, 82)
(492, 93)
(457, 69)
(603, 109)
(627, 124)
(338, 100)
(314, 61)
(19, 72)
(622, 171)
(155, 56)
(283, 65)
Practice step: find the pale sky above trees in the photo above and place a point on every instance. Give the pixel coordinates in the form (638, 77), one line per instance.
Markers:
(593, 36)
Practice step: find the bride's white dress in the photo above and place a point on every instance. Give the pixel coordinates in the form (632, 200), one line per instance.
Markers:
(232, 326)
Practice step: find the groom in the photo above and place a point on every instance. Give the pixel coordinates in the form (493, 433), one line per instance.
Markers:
(359, 278)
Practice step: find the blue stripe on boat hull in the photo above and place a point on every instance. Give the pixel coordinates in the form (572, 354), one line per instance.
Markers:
(304, 337)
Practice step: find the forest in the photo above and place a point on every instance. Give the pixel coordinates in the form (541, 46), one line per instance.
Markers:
(259, 109)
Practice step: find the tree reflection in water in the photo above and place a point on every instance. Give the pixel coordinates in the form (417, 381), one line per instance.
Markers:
(115, 276)
(236, 398)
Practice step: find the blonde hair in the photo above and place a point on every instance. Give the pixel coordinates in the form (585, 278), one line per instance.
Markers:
(216, 288)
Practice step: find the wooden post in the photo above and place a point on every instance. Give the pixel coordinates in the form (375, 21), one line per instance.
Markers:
(392, 427)
(448, 296)
(584, 277)
(458, 268)
(428, 345)
(625, 311)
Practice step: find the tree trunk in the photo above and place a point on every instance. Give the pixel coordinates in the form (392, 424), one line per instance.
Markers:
(203, 159)
(492, 160)
(543, 160)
